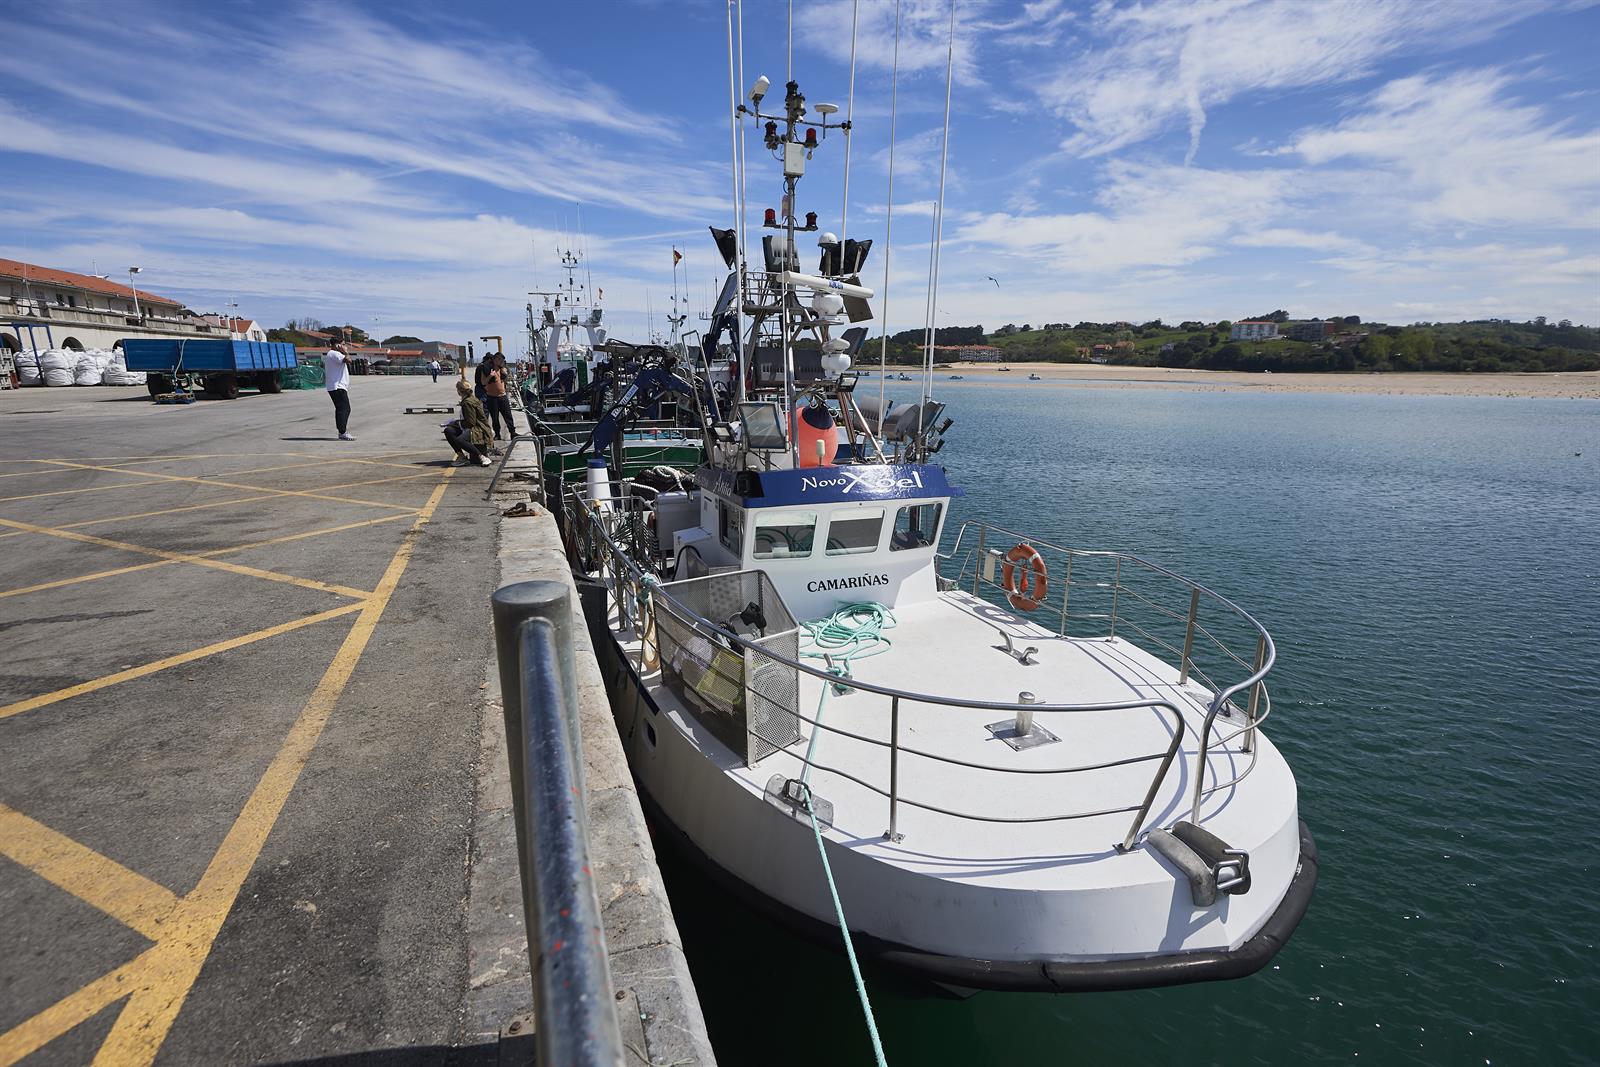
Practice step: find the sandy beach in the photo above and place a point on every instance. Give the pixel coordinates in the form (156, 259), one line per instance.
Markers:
(1582, 385)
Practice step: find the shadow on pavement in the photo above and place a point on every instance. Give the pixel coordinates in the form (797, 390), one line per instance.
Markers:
(485, 1055)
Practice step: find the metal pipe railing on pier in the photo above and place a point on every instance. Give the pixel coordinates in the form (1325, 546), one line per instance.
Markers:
(574, 1013)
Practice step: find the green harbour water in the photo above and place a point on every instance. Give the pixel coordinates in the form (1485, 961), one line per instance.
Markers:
(1430, 570)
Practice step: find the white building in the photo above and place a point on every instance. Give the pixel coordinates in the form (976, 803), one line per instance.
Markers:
(1254, 330)
(242, 329)
(41, 307)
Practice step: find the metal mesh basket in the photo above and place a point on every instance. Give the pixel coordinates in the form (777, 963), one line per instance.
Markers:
(745, 698)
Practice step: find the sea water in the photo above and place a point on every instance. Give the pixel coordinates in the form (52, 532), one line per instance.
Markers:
(1430, 570)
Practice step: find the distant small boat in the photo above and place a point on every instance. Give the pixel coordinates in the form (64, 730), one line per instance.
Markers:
(904, 377)
(1034, 378)
(1005, 370)
(956, 378)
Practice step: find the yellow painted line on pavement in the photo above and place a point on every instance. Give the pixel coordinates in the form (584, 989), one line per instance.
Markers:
(85, 489)
(50, 466)
(42, 586)
(36, 471)
(175, 962)
(261, 494)
(188, 557)
(99, 881)
(94, 684)
(30, 1036)
(210, 552)
(256, 488)
(151, 514)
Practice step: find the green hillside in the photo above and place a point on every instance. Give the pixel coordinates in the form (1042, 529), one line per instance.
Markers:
(1487, 345)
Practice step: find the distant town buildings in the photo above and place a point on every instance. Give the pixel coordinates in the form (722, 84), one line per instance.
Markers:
(974, 353)
(1312, 330)
(443, 350)
(1254, 330)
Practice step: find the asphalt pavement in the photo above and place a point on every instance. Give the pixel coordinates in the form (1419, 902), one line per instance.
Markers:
(240, 700)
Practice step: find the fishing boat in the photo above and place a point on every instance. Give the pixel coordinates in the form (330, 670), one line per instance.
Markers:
(986, 758)
(586, 386)
(567, 348)
(1034, 378)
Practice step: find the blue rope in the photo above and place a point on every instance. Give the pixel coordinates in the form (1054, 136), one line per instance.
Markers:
(854, 631)
(851, 651)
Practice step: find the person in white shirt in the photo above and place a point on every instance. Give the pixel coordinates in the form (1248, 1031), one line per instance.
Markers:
(336, 375)
(434, 369)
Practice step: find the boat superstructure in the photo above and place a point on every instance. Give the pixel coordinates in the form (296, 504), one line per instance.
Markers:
(567, 346)
(1028, 765)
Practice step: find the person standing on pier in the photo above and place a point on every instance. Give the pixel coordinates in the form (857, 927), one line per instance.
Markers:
(495, 397)
(433, 369)
(336, 376)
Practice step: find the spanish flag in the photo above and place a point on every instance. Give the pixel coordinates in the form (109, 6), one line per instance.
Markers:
(677, 257)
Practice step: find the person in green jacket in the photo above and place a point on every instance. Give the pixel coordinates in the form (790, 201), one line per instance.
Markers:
(469, 435)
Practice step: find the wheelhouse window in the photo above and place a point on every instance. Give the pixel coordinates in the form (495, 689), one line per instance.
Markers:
(915, 526)
(785, 534)
(730, 528)
(855, 532)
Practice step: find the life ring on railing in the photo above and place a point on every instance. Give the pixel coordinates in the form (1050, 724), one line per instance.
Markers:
(1025, 586)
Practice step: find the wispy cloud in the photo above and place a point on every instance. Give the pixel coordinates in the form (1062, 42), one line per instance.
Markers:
(925, 34)
(1149, 216)
(1151, 66)
(1468, 152)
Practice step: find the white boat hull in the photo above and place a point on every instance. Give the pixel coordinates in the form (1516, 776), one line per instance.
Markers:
(964, 933)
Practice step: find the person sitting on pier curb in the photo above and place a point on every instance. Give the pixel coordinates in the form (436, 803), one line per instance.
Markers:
(469, 435)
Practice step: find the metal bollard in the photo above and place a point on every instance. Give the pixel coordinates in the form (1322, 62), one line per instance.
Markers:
(575, 1014)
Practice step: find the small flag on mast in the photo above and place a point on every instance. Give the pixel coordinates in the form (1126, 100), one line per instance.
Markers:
(677, 256)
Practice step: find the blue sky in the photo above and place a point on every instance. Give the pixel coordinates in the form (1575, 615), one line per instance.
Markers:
(412, 168)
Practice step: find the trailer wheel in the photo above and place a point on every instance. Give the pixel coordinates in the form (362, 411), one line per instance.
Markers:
(267, 381)
(224, 385)
(158, 384)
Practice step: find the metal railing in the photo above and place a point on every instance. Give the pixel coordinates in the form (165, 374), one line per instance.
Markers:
(634, 593)
(574, 1013)
(977, 570)
(536, 486)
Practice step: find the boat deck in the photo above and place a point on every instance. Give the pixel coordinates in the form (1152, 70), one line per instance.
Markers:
(952, 646)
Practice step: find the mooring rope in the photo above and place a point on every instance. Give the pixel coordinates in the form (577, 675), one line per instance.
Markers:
(854, 631)
(833, 888)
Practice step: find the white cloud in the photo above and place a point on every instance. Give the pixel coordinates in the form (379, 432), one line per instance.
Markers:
(1151, 66)
(454, 106)
(1467, 153)
(1151, 216)
(924, 34)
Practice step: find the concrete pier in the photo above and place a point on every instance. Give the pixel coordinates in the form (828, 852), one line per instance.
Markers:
(253, 805)
(660, 1012)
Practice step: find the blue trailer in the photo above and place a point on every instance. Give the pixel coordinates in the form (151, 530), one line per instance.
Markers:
(220, 366)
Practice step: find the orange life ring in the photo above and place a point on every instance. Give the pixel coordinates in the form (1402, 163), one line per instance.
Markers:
(1026, 587)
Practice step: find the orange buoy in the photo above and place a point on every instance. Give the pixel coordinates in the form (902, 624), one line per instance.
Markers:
(1026, 586)
(815, 435)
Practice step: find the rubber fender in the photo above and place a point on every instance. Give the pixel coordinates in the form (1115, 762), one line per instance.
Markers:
(1214, 851)
(1202, 884)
